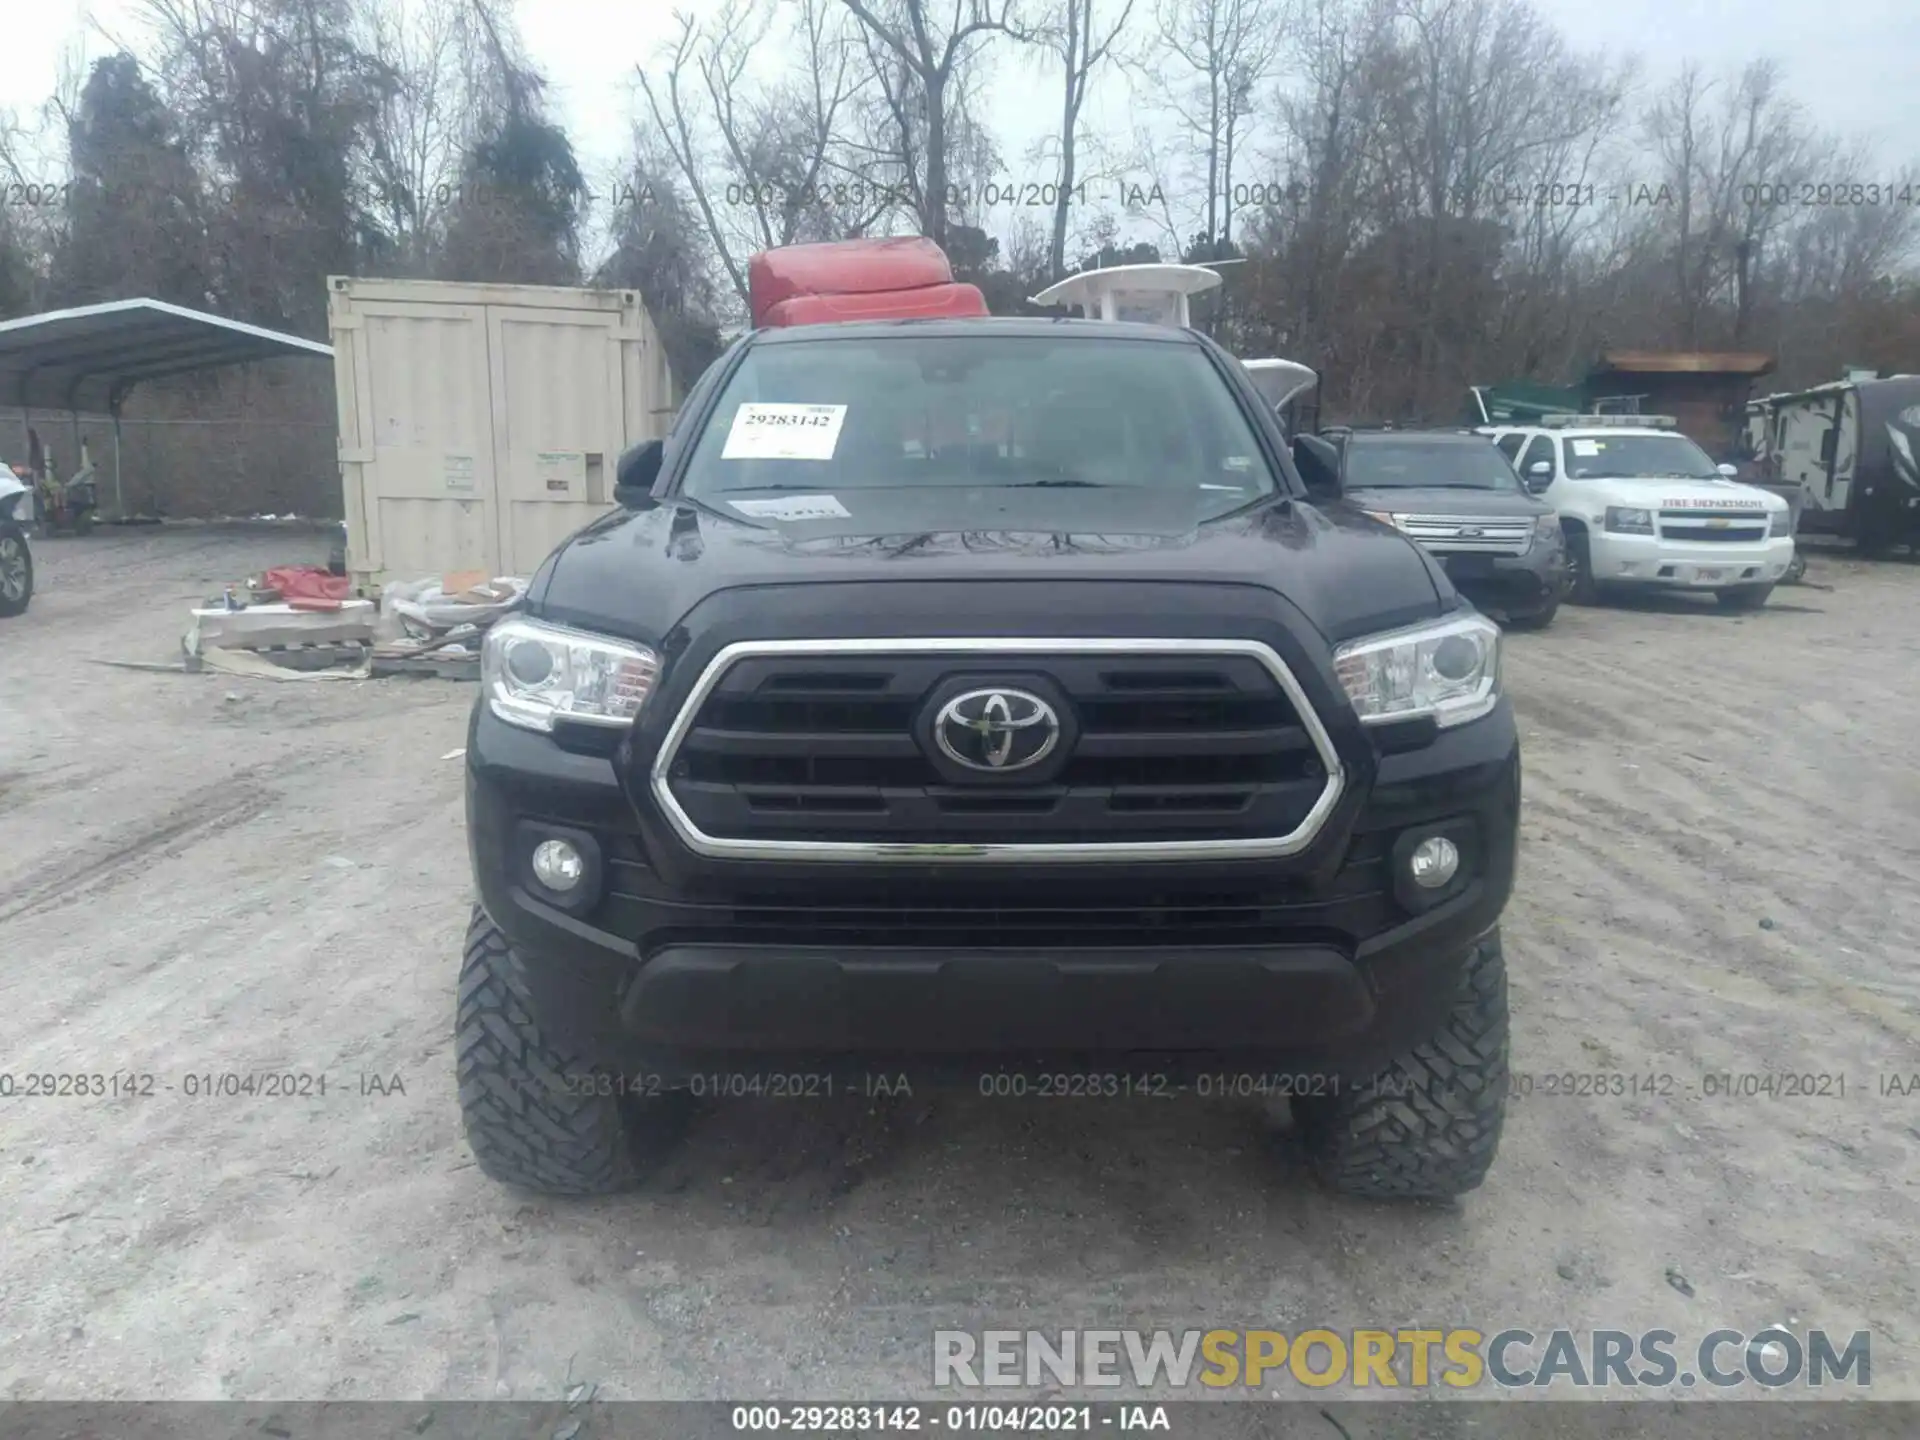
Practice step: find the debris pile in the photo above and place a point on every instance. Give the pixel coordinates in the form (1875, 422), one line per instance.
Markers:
(295, 621)
(433, 627)
(294, 617)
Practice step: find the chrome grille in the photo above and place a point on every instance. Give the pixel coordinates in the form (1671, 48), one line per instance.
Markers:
(1745, 526)
(809, 749)
(1468, 534)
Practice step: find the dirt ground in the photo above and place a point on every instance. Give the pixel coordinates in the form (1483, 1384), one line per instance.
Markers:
(204, 874)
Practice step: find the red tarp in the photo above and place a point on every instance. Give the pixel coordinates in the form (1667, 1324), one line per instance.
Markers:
(307, 582)
(843, 267)
(930, 302)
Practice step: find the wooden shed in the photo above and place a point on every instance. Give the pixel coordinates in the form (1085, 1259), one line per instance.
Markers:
(1706, 392)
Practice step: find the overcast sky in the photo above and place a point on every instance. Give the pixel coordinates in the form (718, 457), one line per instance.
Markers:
(1854, 67)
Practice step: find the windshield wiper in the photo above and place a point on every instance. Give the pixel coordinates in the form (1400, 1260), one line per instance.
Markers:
(1067, 484)
(749, 489)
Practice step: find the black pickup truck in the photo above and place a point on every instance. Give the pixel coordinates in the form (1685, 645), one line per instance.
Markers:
(989, 697)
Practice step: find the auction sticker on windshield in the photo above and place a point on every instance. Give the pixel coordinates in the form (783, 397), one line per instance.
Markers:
(784, 432)
(1585, 447)
(793, 507)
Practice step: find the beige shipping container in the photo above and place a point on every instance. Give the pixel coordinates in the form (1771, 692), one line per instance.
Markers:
(480, 424)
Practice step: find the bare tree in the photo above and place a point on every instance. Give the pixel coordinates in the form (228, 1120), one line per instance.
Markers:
(921, 64)
(1227, 50)
(1082, 40)
(766, 163)
(428, 116)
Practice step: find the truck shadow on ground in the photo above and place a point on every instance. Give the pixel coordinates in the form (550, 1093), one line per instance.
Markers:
(1678, 602)
(1163, 1173)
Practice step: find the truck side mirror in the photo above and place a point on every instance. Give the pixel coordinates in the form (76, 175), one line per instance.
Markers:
(1729, 470)
(634, 476)
(1318, 462)
(1539, 476)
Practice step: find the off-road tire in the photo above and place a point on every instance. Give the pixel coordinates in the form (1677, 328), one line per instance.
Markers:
(1582, 588)
(1427, 1127)
(530, 1120)
(1743, 597)
(1534, 619)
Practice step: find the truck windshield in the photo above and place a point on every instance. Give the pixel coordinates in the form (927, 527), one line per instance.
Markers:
(1436, 465)
(1637, 457)
(926, 412)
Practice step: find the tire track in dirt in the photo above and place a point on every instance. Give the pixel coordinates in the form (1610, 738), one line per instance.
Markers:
(239, 798)
(1765, 980)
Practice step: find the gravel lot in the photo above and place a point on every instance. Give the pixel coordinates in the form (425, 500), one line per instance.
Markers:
(204, 874)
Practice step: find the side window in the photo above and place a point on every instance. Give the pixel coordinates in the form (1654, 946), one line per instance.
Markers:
(1509, 445)
(1538, 449)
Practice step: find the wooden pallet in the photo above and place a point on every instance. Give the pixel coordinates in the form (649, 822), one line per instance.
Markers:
(324, 655)
(446, 667)
(314, 657)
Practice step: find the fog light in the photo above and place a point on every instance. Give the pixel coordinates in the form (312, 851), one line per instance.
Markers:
(1434, 862)
(559, 867)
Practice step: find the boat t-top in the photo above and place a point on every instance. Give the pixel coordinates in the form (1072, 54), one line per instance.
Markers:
(1162, 295)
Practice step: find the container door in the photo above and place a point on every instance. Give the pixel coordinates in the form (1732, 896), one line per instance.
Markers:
(558, 424)
(421, 439)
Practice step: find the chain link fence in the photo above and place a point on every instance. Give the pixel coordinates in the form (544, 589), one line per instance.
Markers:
(239, 444)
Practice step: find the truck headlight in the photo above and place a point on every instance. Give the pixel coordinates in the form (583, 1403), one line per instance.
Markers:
(1385, 517)
(1779, 523)
(1629, 520)
(1449, 669)
(534, 674)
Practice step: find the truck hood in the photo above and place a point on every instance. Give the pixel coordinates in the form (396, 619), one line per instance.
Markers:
(638, 572)
(1424, 500)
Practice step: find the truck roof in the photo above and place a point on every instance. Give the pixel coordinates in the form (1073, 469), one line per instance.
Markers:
(1441, 434)
(1581, 432)
(1031, 326)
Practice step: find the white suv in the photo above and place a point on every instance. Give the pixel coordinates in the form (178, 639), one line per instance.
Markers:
(1641, 504)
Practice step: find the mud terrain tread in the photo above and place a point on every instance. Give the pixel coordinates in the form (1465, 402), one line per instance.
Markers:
(1429, 1125)
(523, 1125)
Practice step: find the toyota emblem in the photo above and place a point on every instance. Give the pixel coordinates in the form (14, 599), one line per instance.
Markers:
(998, 731)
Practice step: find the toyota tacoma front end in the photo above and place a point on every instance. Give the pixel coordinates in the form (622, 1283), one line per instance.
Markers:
(971, 695)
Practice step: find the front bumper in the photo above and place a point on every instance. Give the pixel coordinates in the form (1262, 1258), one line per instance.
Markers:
(682, 963)
(1516, 583)
(1650, 560)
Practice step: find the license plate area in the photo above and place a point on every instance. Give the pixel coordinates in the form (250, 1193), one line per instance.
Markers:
(1708, 573)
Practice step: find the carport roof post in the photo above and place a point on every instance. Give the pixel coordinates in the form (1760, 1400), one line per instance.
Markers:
(88, 360)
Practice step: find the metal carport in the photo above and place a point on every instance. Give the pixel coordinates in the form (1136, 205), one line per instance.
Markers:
(88, 360)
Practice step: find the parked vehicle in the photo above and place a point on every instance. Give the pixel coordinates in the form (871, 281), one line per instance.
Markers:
(1463, 500)
(1643, 506)
(975, 692)
(1852, 449)
(16, 554)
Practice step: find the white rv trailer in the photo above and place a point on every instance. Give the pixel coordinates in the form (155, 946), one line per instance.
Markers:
(1853, 448)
